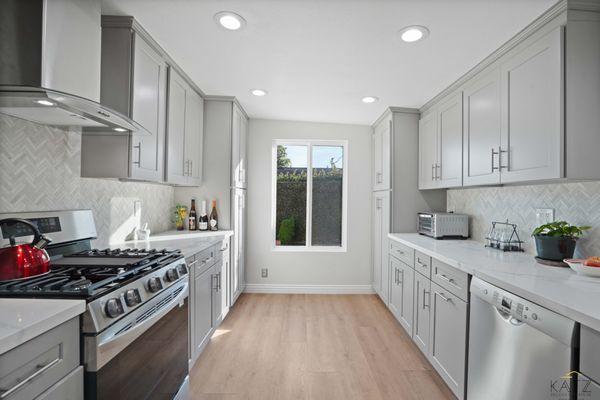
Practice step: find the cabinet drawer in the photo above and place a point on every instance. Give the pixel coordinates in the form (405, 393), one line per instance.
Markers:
(590, 357)
(450, 278)
(403, 253)
(423, 263)
(206, 259)
(69, 388)
(30, 369)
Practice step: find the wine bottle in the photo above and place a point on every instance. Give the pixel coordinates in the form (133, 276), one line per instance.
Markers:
(192, 218)
(203, 218)
(214, 218)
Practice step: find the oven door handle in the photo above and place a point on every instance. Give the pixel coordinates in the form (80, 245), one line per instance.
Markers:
(109, 347)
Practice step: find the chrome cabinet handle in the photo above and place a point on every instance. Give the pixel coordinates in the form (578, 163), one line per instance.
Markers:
(432, 172)
(500, 151)
(400, 282)
(219, 281)
(396, 276)
(494, 165)
(449, 280)
(139, 159)
(213, 279)
(447, 299)
(378, 177)
(40, 370)
(438, 176)
(425, 293)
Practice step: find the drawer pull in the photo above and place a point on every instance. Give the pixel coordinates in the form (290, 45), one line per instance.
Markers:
(425, 293)
(449, 280)
(421, 262)
(443, 297)
(40, 370)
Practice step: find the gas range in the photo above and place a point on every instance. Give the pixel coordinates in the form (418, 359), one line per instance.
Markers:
(137, 306)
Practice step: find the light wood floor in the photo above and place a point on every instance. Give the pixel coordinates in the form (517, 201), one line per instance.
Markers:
(327, 347)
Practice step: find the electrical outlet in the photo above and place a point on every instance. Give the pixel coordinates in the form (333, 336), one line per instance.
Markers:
(264, 272)
(544, 216)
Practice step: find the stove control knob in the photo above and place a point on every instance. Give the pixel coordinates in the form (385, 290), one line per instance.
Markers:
(132, 297)
(114, 308)
(171, 275)
(154, 284)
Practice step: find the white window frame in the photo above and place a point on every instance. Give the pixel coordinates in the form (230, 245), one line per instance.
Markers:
(308, 247)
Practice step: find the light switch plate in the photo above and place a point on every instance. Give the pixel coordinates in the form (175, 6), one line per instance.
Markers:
(544, 216)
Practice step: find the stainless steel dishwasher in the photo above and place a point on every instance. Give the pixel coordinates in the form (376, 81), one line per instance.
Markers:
(517, 349)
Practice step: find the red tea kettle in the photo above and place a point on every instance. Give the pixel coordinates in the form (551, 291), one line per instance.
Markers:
(18, 261)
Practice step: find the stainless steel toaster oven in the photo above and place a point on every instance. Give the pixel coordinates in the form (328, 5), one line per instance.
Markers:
(441, 225)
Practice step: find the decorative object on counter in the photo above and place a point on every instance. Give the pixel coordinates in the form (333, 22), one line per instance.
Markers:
(556, 240)
(203, 219)
(213, 220)
(20, 261)
(180, 217)
(192, 219)
(503, 236)
(588, 267)
(142, 233)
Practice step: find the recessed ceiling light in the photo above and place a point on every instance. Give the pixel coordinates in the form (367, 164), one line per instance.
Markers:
(369, 99)
(45, 102)
(119, 129)
(230, 20)
(413, 33)
(258, 92)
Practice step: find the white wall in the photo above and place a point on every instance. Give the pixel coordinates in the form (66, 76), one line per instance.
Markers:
(350, 270)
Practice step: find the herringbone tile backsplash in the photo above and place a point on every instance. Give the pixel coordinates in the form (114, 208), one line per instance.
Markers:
(577, 203)
(40, 170)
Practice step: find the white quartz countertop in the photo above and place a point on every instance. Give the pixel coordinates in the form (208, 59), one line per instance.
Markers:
(559, 289)
(23, 319)
(188, 242)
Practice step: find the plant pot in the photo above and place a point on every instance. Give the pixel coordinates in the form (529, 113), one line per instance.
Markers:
(555, 248)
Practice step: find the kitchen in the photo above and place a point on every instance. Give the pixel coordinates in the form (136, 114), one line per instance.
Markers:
(182, 217)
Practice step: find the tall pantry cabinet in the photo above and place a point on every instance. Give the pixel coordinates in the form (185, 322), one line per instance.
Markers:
(396, 199)
(224, 179)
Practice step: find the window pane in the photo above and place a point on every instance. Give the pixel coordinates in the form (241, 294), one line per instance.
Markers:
(290, 220)
(327, 183)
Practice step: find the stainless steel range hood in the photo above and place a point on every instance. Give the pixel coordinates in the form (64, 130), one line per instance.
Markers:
(50, 65)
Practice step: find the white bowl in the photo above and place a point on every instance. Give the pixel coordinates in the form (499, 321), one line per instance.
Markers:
(578, 266)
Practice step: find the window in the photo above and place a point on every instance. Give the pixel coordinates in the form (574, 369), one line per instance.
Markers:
(309, 195)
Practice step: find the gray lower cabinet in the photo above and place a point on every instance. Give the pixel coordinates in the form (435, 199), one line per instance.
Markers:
(590, 357)
(202, 310)
(217, 294)
(448, 338)
(46, 366)
(401, 293)
(421, 313)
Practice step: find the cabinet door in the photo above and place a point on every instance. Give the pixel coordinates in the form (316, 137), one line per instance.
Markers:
(148, 109)
(482, 126)
(225, 284)
(382, 146)
(243, 150)
(406, 282)
(422, 302)
(532, 120)
(428, 150)
(450, 142)
(380, 246)
(448, 338)
(237, 167)
(194, 137)
(395, 296)
(237, 267)
(217, 294)
(377, 245)
(176, 167)
(203, 295)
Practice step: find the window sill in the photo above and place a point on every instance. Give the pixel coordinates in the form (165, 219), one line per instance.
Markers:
(309, 249)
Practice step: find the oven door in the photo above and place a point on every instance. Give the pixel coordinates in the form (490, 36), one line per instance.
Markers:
(425, 224)
(144, 356)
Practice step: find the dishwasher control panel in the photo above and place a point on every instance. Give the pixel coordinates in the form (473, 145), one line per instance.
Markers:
(522, 310)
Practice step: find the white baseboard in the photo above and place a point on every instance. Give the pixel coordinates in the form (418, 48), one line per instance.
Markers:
(308, 289)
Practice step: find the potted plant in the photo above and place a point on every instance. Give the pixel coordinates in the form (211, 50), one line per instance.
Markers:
(556, 240)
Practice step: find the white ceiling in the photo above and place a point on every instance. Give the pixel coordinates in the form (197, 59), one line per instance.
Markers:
(318, 58)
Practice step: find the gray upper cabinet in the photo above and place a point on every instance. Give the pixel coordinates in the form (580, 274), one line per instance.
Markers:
(482, 116)
(428, 151)
(239, 140)
(532, 105)
(382, 143)
(185, 132)
(450, 142)
(148, 109)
